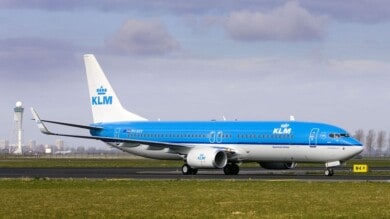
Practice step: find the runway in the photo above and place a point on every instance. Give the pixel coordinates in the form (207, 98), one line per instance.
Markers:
(298, 174)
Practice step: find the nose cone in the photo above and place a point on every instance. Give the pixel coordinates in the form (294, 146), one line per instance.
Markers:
(358, 150)
(355, 147)
(352, 151)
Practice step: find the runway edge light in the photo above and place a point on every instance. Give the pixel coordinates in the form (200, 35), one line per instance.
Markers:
(360, 168)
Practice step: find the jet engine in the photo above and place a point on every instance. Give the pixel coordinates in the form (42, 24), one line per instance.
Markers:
(278, 165)
(206, 158)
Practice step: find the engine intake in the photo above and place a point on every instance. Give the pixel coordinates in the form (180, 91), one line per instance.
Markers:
(278, 165)
(206, 158)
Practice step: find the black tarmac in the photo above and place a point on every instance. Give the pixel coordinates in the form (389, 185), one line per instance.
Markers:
(298, 174)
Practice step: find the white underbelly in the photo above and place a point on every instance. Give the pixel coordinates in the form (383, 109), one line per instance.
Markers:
(296, 153)
(299, 153)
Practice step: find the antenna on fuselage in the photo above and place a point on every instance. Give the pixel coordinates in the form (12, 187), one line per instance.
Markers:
(292, 118)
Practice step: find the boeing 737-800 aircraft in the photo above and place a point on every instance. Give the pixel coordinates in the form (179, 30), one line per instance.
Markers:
(208, 144)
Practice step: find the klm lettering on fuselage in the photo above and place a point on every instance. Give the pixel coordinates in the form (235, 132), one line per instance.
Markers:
(284, 129)
(101, 98)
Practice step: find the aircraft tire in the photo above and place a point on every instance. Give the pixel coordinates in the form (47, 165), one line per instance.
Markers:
(231, 169)
(194, 171)
(187, 170)
(329, 172)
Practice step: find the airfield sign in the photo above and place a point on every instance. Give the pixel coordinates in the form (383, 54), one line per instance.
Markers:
(360, 168)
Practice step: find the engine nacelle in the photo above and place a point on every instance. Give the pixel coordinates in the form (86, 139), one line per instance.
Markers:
(278, 165)
(206, 158)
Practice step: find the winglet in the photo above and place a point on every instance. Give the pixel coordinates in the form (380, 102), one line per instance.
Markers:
(39, 122)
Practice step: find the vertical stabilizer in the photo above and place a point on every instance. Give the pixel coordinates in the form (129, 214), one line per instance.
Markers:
(104, 102)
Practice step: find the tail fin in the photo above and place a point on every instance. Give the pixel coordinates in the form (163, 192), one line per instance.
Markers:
(104, 102)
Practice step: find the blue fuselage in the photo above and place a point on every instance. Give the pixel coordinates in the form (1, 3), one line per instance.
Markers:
(230, 132)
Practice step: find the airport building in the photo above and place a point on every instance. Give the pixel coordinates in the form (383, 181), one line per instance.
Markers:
(60, 145)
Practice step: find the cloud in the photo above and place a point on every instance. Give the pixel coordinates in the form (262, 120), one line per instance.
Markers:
(290, 22)
(172, 6)
(44, 4)
(204, 23)
(32, 58)
(142, 38)
(364, 11)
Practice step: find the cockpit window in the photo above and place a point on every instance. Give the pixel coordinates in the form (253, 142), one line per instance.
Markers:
(339, 135)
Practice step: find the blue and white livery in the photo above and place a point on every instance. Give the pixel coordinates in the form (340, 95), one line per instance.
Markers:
(209, 144)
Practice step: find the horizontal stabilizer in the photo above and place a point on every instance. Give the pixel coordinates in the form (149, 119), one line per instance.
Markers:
(73, 125)
(41, 125)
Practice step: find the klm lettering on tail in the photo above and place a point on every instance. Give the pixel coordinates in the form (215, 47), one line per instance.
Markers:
(101, 98)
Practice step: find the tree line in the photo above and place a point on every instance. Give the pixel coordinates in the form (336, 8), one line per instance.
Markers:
(376, 144)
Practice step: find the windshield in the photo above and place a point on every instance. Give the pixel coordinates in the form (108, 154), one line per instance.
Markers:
(339, 135)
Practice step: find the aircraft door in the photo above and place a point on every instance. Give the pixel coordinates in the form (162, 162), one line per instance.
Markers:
(212, 137)
(313, 136)
(215, 137)
(219, 136)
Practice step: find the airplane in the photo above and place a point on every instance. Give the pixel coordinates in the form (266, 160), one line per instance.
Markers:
(208, 144)
(63, 152)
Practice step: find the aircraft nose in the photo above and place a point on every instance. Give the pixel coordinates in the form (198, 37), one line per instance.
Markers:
(357, 150)
(360, 150)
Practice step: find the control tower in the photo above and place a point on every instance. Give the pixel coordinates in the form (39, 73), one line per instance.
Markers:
(18, 118)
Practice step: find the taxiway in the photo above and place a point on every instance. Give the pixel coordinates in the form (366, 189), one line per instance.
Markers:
(304, 174)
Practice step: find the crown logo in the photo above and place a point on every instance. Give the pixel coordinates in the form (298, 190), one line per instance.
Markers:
(101, 90)
(285, 125)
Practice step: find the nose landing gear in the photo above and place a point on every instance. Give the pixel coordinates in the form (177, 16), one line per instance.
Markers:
(329, 172)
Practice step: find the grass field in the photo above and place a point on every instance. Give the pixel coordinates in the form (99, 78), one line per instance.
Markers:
(87, 198)
(31, 198)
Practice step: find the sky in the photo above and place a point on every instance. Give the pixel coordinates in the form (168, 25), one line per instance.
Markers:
(324, 61)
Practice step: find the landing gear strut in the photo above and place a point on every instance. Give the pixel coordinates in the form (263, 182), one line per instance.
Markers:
(231, 169)
(187, 170)
(329, 172)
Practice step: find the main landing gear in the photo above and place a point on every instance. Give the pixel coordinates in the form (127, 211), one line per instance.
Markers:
(187, 170)
(231, 169)
(329, 172)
